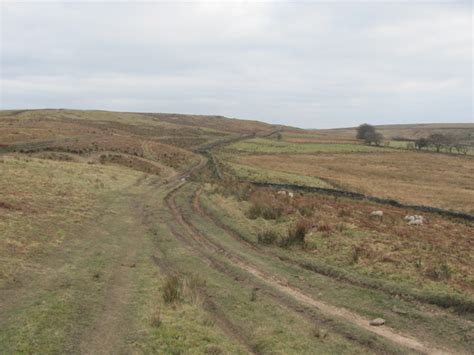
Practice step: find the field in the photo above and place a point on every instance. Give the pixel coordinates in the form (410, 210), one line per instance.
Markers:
(271, 146)
(141, 233)
(410, 177)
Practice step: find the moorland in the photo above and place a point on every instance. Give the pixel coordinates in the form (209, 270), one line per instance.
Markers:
(165, 233)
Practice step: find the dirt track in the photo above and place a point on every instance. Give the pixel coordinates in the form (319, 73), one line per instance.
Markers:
(282, 286)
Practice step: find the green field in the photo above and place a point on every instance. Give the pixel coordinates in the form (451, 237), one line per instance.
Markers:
(272, 146)
(250, 173)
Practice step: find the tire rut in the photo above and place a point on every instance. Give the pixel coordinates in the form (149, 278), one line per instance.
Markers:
(283, 287)
(229, 328)
(306, 312)
(106, 335)
(218, 316)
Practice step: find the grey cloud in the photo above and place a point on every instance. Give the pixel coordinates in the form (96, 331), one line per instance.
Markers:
(303, 64)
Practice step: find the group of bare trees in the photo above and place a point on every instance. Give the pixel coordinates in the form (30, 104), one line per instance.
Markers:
(437, 141)
(440, 141)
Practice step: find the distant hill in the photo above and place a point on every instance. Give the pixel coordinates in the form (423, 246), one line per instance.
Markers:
(187, 131)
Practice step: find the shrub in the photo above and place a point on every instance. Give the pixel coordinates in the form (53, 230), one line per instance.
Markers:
(214, 350)
(324, 227)
(264, 211)
(439, 272)
(341, 227)
(306, 210)
(344, 213)
(191, 290)
(171, 289)
(155, 320)
(319, 333)
(253, 294)
(355, 255)
(267, 237)
(296, 233)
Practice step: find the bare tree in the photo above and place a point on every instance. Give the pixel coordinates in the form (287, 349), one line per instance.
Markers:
(461, 148)
(368, 134)
(437, 140)
(421, 143)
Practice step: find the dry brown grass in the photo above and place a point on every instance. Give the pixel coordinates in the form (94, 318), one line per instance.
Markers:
(40, 199)
(410, 177)
(343, 234)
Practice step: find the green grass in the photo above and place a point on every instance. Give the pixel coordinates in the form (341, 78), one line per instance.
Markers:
(334, 251)
(371, 302)
(270, 146)
(272, 328)
(250, 173)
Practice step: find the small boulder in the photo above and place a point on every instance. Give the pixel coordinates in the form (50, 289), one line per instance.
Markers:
(377, 322)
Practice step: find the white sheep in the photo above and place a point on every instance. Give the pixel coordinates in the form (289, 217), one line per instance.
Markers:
(376, 213)
(415, 220)
(281, 192)
(291, 195)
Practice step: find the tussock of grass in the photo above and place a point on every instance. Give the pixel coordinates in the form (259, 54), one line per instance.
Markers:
(171, 289)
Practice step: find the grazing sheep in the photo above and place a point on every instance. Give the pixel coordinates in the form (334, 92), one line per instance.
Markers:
(291, 195)
(281, 192)
(376, 213)
(414, 220)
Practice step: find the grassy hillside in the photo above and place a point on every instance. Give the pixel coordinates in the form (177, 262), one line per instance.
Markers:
(135, 233)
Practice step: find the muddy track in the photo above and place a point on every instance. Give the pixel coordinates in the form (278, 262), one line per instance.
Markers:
(283, 287)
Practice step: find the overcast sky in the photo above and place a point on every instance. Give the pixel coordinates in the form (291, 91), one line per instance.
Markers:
(307, 64)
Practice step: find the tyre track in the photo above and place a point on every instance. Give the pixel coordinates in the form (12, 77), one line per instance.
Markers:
(195, 247)
(283, 286)
(229, 328)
